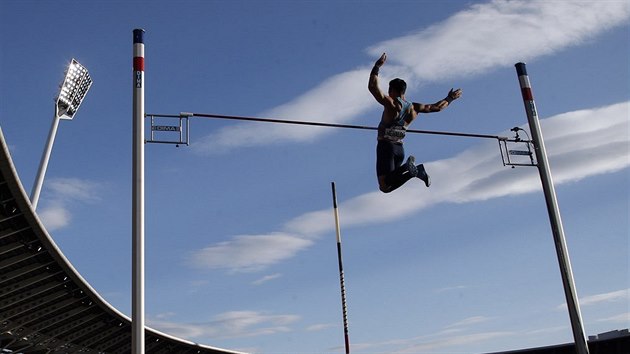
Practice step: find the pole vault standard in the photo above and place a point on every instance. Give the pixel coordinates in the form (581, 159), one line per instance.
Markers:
(553, 210)
(137, 311)
(344, 307)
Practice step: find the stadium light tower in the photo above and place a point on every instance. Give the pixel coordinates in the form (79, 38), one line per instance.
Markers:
(72, 92)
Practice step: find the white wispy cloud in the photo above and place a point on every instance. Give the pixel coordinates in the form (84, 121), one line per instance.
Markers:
(55, 216)
(613, 296)
(451, 288)
(452, 341)
(469, 321)
(320, 327)
(500, 33)
(459, 334)
(73, 189)
(266, 278)
(620, 318)
(60, 193)
(473, 41)
(248, 253)
(232, 324)
(578, 147)
(320, 104)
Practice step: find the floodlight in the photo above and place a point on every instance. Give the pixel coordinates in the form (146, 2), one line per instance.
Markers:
(72, 91)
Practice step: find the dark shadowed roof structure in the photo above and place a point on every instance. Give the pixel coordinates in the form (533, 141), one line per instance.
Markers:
(45, 304)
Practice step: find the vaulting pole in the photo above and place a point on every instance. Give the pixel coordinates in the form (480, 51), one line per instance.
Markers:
(344, 307)
(137, 311)
(553, 210)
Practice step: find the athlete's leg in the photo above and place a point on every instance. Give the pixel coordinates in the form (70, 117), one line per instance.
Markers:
(385, 163)
(401, 175)
(391, 172)
(423, 175)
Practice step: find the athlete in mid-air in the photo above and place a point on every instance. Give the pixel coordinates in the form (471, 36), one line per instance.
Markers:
(398, 113)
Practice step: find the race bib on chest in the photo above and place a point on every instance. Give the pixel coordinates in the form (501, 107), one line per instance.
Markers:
(395, 133)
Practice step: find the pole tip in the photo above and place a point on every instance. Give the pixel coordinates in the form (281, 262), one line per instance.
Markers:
(138, 35)
(521, 69)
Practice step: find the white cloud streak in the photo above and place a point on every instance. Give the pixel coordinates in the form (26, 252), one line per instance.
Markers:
(451, 341)
(321, 327)
(469, 321)
(597, 299)
(471, 42)
(233, 324)
(266, 278)
(55, 216)
(578, 147)
(74, 189)
(60, 192)
(621, 318)
(451, 288)
(321, 104)
(606, 298)
(500, 33)
(247, 253)
(453, 335)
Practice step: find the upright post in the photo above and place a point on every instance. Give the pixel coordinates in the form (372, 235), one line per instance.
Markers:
(553, 211)
(137, 316)
(344, 307)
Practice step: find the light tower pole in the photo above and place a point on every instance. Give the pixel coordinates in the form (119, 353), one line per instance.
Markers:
(72, 91)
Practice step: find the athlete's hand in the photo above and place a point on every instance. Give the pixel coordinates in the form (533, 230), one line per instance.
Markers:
(381, 60)
(453, 95)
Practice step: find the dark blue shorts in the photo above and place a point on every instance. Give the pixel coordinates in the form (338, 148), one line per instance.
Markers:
(389, 156)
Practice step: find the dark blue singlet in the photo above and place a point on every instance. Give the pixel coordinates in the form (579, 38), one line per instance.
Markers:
(395, 132)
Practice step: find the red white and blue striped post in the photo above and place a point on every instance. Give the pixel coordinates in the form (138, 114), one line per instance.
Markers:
(344, 307)
(137, 316)
(553, 210)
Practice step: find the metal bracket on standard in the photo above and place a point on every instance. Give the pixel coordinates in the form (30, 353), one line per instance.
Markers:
(182, 129)
(516, 151)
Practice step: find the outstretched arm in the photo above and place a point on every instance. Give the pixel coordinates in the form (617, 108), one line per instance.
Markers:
(373, 81)
(439, 105)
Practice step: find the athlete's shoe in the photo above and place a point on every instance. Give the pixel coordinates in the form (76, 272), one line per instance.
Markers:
(423, 175)
(411, 166)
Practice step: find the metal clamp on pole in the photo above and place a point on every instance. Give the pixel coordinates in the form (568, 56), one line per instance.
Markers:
(513, 157)
(183, 129)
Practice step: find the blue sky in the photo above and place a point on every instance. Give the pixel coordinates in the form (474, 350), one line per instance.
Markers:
(240, 240)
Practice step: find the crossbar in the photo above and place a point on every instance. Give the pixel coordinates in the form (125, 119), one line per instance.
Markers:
(321, 124)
